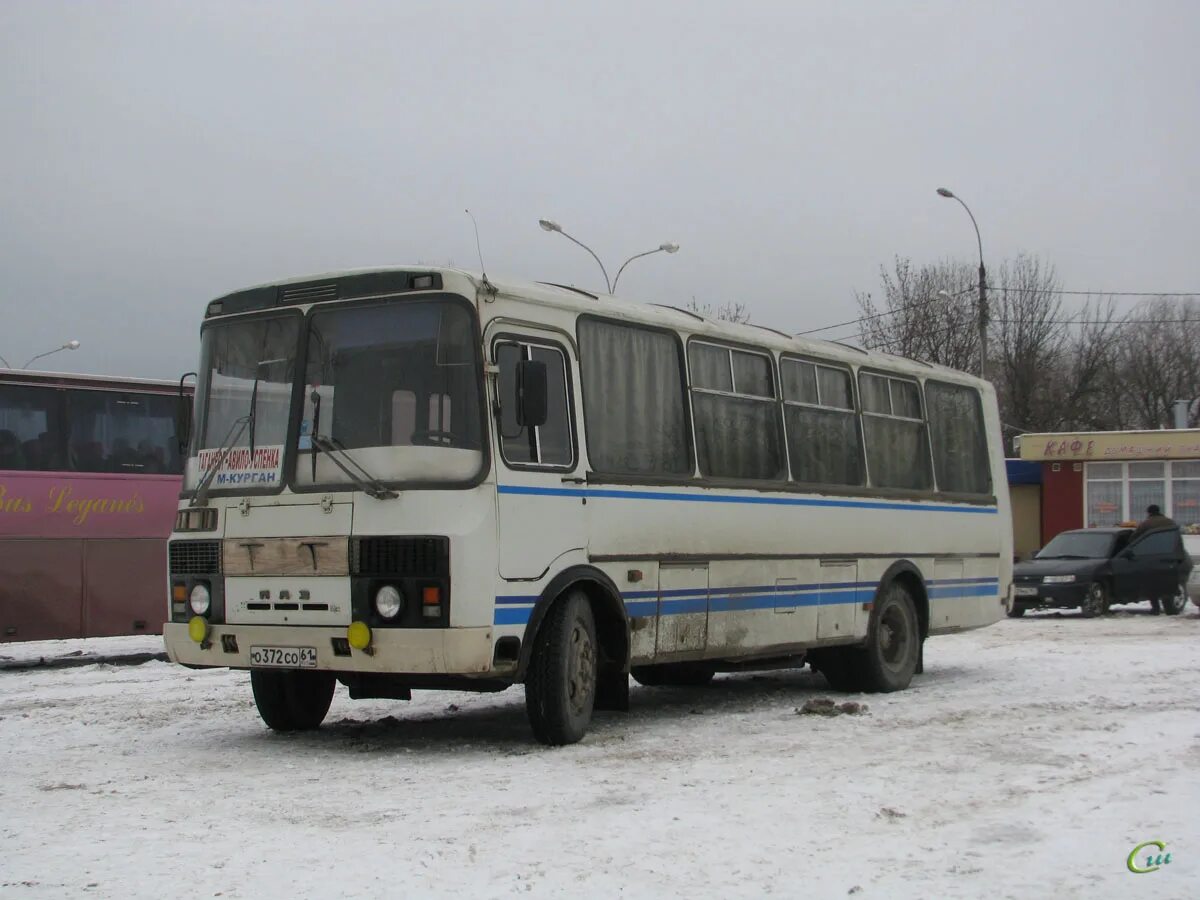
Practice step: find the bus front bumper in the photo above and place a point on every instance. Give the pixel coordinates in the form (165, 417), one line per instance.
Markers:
(440, 651)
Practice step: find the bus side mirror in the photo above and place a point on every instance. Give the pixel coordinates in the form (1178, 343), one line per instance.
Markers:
(183, 424)
(532, 393)
(183, 417)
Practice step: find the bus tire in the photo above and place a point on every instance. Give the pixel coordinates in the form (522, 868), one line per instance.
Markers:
(292, 700)
(693, 674)
(560, 686)
(893, 649)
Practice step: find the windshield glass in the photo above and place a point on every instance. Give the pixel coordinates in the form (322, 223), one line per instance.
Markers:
(1077, 543)
(396, 386)
(245, 365)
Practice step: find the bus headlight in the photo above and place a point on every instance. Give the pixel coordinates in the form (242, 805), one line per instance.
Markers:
(388, 602)
(200, 599)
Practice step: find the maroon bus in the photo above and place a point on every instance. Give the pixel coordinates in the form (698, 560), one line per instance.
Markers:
(90, 470)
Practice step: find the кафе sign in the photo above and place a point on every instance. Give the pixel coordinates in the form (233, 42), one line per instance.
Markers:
(1111, 446)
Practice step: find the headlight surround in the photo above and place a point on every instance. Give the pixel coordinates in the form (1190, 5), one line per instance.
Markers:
(388, 601)
(200, 599)
(1058, 579)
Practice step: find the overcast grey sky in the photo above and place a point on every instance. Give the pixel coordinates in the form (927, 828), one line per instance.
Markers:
(157, 154)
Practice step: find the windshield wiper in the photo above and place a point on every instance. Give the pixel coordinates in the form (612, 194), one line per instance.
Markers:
(200, 498)
(370, 485)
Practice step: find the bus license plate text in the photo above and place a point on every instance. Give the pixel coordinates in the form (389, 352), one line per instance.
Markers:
(284, 657)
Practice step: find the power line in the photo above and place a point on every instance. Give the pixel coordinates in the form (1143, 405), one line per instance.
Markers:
(887, 312)
(1003, 290)
(937, 332)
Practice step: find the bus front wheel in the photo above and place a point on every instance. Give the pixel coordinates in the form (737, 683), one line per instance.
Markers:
(290, 699)
(560, 685)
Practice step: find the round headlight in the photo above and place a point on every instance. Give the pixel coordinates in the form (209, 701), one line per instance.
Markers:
(200, 599)
(388, 602)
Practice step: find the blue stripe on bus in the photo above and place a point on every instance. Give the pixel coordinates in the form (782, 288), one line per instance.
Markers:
(608, 494)
(516, 609)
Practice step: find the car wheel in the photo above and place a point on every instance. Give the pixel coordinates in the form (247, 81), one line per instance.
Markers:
(1096, 601)
(1174, 605)
(1017, 611)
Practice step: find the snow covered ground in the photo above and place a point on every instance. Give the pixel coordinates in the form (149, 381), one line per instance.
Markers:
(1027, 762)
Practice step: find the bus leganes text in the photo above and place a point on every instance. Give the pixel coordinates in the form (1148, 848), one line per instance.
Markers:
(419, 478)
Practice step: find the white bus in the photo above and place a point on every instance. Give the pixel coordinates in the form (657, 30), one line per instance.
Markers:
(420, 478)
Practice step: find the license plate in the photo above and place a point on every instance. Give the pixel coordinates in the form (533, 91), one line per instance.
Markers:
(284, 657)
(1025, 592)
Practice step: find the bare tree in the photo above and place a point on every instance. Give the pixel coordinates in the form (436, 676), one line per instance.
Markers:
(1158, 361)
(1050, 364)
(1049, 367)
(927, 313)
(730, 311)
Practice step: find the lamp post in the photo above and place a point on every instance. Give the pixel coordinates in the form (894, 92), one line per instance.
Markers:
(661, 248)
(983, 307)
(550, 225)
(69, 345)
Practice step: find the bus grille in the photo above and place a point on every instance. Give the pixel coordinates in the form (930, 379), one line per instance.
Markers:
(420, 557)
(195, 557)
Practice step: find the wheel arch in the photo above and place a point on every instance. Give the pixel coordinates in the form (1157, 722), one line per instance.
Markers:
(906, 573)
(608, 610)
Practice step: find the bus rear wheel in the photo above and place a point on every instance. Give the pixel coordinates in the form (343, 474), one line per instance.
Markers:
(695, 674)
(889, 659)
(292, 700)
(560, 685)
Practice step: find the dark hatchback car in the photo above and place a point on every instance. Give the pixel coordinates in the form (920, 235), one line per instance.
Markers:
(1094, 567)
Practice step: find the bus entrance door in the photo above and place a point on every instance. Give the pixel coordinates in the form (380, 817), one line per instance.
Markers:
(682, 609)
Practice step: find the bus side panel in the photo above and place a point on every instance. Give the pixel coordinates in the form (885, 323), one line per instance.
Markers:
(41, 589)
(123, 587)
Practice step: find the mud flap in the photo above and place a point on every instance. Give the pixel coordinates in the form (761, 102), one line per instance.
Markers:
(920, 670)
(612, 690)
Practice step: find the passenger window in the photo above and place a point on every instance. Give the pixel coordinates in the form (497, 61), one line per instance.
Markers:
(551, 443)
(633, 399)
(738, 432)
(822, 429)
(30, 436)
(895, 433)
(959, 441)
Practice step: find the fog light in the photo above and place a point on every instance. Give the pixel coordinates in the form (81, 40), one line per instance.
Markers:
(200, 599)
(388, 602)
(359, 635)
(198, 629)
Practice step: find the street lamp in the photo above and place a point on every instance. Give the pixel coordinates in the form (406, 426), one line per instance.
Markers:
(983, 307)
(661, 248)
(550, 225)
(69, 345)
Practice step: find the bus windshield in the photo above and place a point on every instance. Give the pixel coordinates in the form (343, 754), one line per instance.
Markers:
(247, 369)
(394, 386)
